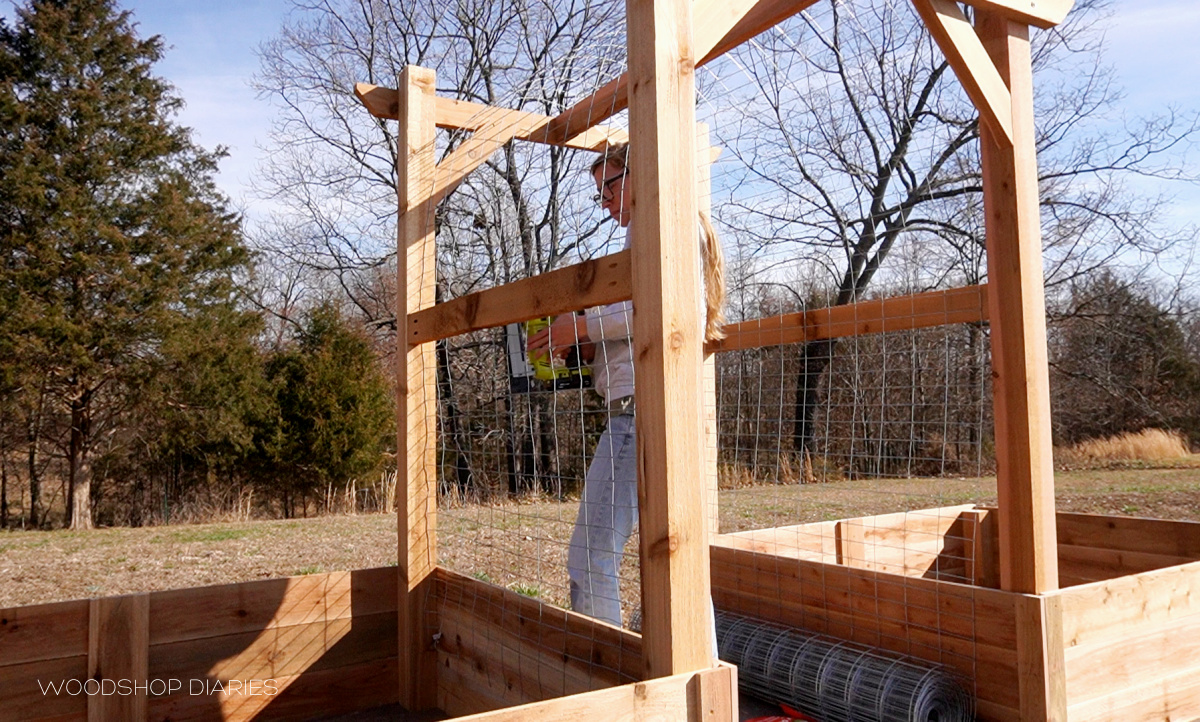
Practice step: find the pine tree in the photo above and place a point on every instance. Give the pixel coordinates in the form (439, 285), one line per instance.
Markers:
(113, 232)
(334, 414)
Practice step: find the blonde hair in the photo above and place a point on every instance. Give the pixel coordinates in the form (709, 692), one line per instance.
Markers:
(617, 155)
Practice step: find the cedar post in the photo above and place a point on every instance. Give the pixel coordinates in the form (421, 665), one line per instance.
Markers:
(667, 336)
(416, 388)
(119, 651)
(1017, 313)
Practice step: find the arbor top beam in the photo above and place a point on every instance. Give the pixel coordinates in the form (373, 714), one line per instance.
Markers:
(453, 114)
(1038, 13)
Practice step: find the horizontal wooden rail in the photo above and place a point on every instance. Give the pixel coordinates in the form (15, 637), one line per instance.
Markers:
(902, 313)
(707, 695)
(312, 637)
(596, 282)
(460, 114)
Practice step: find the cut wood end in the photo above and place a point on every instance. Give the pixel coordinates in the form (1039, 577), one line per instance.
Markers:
(380, 102)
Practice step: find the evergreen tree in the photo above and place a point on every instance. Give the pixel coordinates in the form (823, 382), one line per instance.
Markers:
(188, 431)
(113, 233)
(334, 416)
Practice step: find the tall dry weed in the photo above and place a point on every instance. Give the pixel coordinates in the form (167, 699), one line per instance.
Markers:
(1144, 445)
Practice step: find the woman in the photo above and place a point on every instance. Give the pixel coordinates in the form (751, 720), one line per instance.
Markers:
(609, 506)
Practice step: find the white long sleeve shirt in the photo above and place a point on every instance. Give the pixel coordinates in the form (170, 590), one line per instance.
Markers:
(611, 329)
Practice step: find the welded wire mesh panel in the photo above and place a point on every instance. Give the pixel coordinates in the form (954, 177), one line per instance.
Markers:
(535, 464)
(512, 467)
(849, 175)
(868, 451)
(835, 680)
(852, 427)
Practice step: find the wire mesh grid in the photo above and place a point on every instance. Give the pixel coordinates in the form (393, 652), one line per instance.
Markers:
(518, 430)
(853, 394)
(837, 680)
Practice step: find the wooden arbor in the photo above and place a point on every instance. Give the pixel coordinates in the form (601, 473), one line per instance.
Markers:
(667, 40)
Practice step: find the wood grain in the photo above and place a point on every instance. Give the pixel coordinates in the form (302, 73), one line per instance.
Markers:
(197, 613)
(704, 696)
(668, 338)
(1017, 318)
(901, 313)
(498, 648)
(1041, 669)
(596, 282)
(416, 423)
(118, 651)
(43, 631)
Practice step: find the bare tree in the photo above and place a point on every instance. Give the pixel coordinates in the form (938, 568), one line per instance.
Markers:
(852, 137)
(332, 166)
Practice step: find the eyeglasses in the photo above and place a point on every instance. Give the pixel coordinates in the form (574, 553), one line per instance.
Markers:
(606, 190)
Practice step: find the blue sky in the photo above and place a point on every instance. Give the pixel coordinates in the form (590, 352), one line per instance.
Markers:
(211, 57)
(1153, 44)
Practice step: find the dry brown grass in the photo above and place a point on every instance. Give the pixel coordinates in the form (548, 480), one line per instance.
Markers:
(518, 545)
(1144, 445)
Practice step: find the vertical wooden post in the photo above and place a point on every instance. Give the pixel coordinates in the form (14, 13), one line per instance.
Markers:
(1041, 664)
(1016, 307)
(1017, 314)
(708, 389)
(667, 337)
(416, 388)
(119, 654)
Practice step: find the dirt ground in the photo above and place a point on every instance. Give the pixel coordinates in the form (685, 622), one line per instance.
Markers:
(522, 546)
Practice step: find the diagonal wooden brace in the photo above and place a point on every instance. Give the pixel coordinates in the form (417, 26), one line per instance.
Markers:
(975, 70)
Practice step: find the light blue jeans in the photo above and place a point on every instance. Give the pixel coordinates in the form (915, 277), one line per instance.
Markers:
(607, 513)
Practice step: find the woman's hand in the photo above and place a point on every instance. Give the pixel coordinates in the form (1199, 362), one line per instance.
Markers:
(558, 338)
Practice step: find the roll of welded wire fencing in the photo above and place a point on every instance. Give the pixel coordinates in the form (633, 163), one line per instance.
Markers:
(833, 680)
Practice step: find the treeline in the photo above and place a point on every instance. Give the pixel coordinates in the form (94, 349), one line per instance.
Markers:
(134, 375)
(211, 423)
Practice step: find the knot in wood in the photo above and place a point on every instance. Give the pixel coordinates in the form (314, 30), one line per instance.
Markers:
(585, 275)
(668, 544)
(471, 309)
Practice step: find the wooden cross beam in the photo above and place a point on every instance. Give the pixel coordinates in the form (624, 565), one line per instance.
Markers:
(462, 115)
